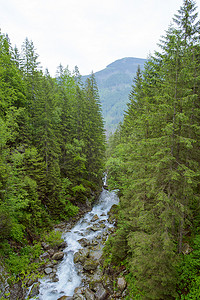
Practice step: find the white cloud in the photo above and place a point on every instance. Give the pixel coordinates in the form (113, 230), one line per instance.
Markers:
(87, 33)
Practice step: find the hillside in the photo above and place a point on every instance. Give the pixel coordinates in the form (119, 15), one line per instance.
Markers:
(114, 83)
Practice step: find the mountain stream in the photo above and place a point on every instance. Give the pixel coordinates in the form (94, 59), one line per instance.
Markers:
(69, 277)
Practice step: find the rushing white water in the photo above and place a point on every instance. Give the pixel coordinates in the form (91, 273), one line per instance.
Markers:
(67, 273)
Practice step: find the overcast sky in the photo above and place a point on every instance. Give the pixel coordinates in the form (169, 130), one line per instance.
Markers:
(88, 33)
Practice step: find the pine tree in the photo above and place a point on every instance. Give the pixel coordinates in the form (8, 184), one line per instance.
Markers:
(94, 138)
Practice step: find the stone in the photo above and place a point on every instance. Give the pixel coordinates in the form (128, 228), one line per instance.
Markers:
(101, 293)
(97, 275)
(111, 229)
(17, 291)
(44, 255)
(78, 290)
(30, 281)
(90, 265)
(94, 243)
(45, 246)
(49, 265)
(89, 295)
(62, 246)
(124, 294)
(58, 255)
(51, 252)
(64, 297)
(108, 284)
(81, 255)
(121, 283)
(94, 228)
(112, 213)
(96, 255)
(102, 226)
(84, 242)
(54, 277)
(34, 290)
(47, 271)
(95, 218)
(78, 297)
(78, 294)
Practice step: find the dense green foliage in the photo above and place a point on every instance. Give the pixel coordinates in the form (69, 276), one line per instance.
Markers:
(51, 143)
(154, 162)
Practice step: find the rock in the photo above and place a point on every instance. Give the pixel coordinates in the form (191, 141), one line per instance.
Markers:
(49, 265)
(96, 276)
(112, 213)
(58, 255)
(121, 283)
(96, 255)
(84, 242)
(108, 284)
(78, 297)
(51, 252)
(34, 290)
(78, 294)
(79, 269)
(47, 271)
(16, 291)
(30, 281)
(103, 215)
(90, 265)
(94, 243)
(111, 230)
(95, 218)
(45, 246)
(102, 226)
(78, 290)
(54, 277)
(64, 297)
(45, 255)
(89, 295)
(94, 228)
(124, 294)
(63, 245)
(98, 237)
(61, 226)
(81, 256)
(101, 293)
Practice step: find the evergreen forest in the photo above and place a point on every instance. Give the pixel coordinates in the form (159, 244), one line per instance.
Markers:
(52, 146)
(53, 154)
(154, 162)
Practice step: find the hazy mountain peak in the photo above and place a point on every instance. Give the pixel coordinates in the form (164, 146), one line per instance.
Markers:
(114, 83)
(126, 63)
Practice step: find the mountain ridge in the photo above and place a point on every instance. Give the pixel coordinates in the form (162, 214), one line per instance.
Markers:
(114, 84)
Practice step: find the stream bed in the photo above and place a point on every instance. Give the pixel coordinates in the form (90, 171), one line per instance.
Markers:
(90, 229)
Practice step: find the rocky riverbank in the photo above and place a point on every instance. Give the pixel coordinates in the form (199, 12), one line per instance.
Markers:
(49, 259)
(96, 282)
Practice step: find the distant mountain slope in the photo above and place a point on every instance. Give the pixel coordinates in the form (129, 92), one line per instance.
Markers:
(114, 83)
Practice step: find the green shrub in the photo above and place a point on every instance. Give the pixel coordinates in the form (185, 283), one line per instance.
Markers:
(189, 273)
(53, 238)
